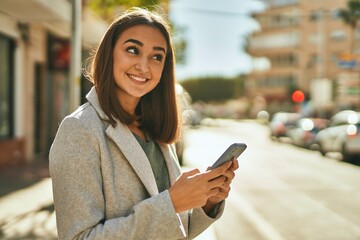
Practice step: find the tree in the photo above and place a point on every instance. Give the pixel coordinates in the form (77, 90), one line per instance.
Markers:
(214, 89)
(180, 43)
(107, 8)
(351, 16)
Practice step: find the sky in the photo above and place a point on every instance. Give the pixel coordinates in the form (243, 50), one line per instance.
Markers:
(215, 32)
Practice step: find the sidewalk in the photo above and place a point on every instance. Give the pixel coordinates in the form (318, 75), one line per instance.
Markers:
(26, 204)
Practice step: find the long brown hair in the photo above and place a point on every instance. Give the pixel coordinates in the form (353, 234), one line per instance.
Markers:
(158, 109)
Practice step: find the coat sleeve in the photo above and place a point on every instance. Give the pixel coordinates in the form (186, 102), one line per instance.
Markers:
(199, 220)
(75, 168)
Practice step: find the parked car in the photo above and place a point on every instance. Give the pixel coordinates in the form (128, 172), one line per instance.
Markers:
(303, 135)
(281, 122)
(342, 135)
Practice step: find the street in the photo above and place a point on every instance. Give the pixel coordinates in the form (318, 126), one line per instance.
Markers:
(280, 191)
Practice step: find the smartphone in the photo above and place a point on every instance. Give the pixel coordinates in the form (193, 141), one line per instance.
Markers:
(233, 151)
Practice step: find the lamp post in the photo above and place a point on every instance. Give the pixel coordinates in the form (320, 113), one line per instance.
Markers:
(75, 63)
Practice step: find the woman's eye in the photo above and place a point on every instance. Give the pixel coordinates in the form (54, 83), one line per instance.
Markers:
(158, 57)
(132, 50)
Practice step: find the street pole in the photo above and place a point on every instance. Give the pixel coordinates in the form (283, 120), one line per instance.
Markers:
(321, 44)
(75, 63)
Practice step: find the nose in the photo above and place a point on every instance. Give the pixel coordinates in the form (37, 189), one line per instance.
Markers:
(142, 65)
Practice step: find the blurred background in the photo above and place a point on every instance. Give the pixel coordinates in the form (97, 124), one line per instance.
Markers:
(279, 75)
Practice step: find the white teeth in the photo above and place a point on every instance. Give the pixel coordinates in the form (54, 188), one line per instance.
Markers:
(136, 78)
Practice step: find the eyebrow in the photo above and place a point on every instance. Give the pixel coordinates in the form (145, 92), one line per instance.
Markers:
(137, 42)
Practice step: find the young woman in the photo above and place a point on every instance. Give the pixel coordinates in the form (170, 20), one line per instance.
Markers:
(113, 165)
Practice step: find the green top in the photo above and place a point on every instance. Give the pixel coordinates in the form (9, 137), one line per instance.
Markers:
(157, 161)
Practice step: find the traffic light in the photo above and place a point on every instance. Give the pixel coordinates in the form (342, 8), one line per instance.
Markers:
(298, 96)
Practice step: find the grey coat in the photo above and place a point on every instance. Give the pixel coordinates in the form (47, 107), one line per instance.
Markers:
(104, 187)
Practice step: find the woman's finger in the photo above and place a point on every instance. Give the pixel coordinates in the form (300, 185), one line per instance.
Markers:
(229, 174)
(213, 173)
(217, 182)
(235, 164)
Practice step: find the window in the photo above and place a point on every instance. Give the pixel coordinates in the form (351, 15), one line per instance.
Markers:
(338, 35)
(316, 15)
(280, 20)
(284, 60)
(6, 96)
(335, 14)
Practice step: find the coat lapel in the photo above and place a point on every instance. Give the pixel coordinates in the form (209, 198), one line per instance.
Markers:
(133, 152)
(172, 164)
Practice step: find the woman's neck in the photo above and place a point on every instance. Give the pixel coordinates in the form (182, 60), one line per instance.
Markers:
(129, 103)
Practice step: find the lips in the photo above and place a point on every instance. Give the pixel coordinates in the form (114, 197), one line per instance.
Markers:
(137, 78)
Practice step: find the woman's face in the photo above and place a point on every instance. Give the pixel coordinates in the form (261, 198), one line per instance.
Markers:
(139, 57)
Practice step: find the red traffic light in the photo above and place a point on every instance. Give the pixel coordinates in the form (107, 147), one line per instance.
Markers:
(298, 96)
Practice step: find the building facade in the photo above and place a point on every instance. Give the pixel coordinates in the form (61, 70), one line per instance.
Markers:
(34, 74)
(301, 44)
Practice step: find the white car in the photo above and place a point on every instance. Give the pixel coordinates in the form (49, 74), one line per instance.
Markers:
(342, 135)
(303, 135)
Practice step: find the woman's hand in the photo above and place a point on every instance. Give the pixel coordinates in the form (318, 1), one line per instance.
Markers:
(224, 189)
(194, 189)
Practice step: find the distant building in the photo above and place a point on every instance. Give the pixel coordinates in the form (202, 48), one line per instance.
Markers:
(302, 44)
(34, 69)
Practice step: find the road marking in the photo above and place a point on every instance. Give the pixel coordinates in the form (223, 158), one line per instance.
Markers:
(263, 227)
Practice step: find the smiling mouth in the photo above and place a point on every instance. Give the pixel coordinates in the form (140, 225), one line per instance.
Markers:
(137, 78)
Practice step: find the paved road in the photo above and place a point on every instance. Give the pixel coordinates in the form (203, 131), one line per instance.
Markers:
(280, 191)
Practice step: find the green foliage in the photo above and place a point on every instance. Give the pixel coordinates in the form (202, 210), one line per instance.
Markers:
(107, 8)
(180, 44)
(214, 89)
(352, 14)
